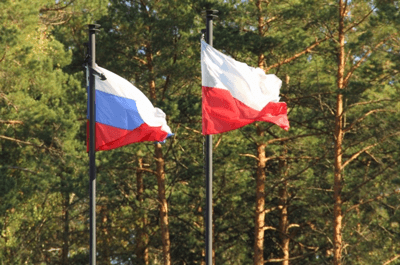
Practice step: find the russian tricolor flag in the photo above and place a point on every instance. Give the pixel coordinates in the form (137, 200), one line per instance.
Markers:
(124, 115)
(235, 94)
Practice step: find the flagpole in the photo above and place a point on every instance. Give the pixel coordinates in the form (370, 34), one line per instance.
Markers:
(208, 157)
(92, 141)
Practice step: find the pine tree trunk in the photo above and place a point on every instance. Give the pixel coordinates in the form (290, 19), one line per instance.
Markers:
(260, 32)
(337, 232)
(283, 224)
(260, 204)
(142, 251)
(65, 247)
(160, 170)
(337, 236)
(203, 255)
(152, 83)
(163, 204)
(213, 250)
(260, 181)
(106, 253)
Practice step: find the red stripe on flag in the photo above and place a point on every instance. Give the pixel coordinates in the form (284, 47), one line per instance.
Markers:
(222, 112)
(109, 137)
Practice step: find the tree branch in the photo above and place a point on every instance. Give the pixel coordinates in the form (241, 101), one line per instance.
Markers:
(11, 122)
(371, 200)
(391, 260)
(359, 22)
(4, 55)
(266, 211)
(280, 260)
(352, 193)
(16, 140)
(250, 155)
(355, 155)
(368, 102)
(145, 7)
(279, 157)
(306, 50)
(139, 59)
(218, 142)
(350, 73)
(362, 118)
(269, 228)
(45, 9)
(282, 139)
(22, 169)
(190, 129)
(293, 225)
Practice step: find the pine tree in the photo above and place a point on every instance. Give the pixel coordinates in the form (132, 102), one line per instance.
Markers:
(38, 148)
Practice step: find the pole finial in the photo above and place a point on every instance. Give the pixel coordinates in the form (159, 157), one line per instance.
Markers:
(94, 27)
(211, 11)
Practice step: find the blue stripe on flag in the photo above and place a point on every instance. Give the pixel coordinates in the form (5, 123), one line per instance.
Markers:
(116, 111)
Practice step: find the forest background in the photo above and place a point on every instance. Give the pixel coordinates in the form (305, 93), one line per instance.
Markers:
(325, 192)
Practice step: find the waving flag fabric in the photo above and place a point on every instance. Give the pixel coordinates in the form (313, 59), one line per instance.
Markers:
(124, 115)
(235, 94)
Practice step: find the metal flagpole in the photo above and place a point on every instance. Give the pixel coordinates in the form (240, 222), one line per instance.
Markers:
(208, 157)
(92, 141)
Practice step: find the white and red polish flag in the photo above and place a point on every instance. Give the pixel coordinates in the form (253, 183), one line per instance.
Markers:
(235, 94)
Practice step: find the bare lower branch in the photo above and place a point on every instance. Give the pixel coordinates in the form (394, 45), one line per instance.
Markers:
(368, 102)
(250, 155)
(280, 260)
(270, 20)
(218, 142)
(139, 60)
(297, 55)
(355, 155)
(280, 157)
(45, 9)
(266, 211)
(379, 197)
(293, 225)
(193, 130)
(391, 260)
(362, 118)
(320, 189)
(355, 24)
(11, 122)
(61, 22)
(4, 55)
(22, 169)
(350, 73)
(138, 169)
(145, 7)
(269, 228)
(283, 139)
(353, 191)
(15, 140)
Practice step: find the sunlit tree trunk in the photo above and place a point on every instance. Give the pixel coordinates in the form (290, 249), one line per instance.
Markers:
(337, 231)
(65, 246)
(106, 251)
(163, 204)
(283, 224)
(260, 182)
(142, 251)
(260, 204)
(160, 170)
